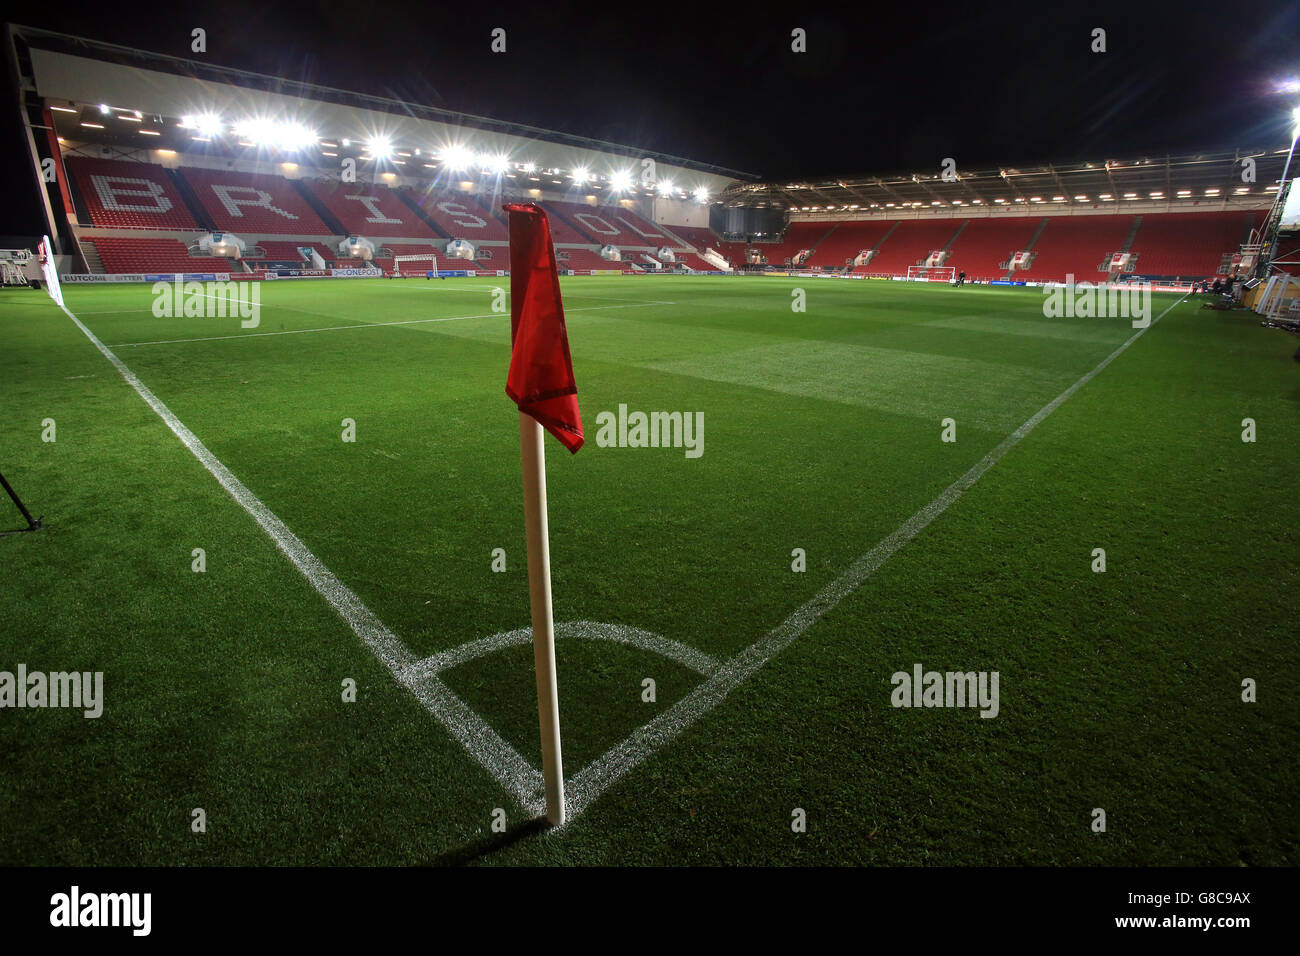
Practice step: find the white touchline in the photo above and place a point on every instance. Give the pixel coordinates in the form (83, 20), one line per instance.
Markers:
(594, 779)
(368, 325)
(483, 743)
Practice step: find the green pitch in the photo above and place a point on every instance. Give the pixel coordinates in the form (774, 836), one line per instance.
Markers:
(223, 689)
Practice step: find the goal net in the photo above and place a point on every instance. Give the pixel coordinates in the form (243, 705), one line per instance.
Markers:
(931, 273)
(414, 265)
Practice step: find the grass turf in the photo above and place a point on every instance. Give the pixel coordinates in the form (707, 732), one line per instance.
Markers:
(1118, 690)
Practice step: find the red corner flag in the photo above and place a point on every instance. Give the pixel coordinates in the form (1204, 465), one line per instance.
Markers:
(541, 372)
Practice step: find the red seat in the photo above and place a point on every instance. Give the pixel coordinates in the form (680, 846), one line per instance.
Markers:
(129, 195)
(254, 204)
(366, 210)
(124, 254)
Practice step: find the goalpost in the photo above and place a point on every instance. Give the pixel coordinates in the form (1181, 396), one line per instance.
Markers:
(430, 264)
(931, 273)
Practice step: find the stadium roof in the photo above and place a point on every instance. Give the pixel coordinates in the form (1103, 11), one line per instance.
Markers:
(75, 75)
(1190, 179)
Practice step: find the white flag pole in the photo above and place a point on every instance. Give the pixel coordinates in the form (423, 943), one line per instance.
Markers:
(533, 453)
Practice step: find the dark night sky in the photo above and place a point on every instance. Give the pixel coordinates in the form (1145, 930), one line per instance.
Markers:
(879, 90)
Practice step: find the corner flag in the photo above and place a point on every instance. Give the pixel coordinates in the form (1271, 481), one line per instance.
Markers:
(50, 270)
(541, 383)
(541, 371)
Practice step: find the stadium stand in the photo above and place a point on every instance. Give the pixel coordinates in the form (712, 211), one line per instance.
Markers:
(650, 233)
(127, 254)
(691, 261)
(493, 257)
(798, 237)
(365, 210)
(561, 229)
(460, 216)
(120, 194)
(911, 242)
(609, 225)
(848, 239)
(1076, 245)
(251, 203)
(698, 236)
(583, 259)
(981, 248)
(1190, 244)
(129, 195)
(733, 252)
(286, 251)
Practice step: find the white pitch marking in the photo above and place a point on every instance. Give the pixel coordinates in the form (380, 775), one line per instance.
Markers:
(594, 779)
(483, 743)
(368, 325)
(327, 328)
(689, 657)
(424, 674)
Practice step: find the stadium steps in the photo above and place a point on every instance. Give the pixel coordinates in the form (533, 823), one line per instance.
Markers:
(555, 212)
(93, 263)
(318, 207)
(1132, 234)
(889, 232)
(78, 201)
(191, 199)
(409, 202)
(1128, 245)
(1029, 247)
(876, 248)
(812, 251)
(676, 240)
(953, 237)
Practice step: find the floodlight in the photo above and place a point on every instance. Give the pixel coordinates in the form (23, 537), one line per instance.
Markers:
(581, 175)
(208, 124)
(257, 131)
(380, 147)
(620, 180)
(701, 194)
(294, 136)
(456, 157)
